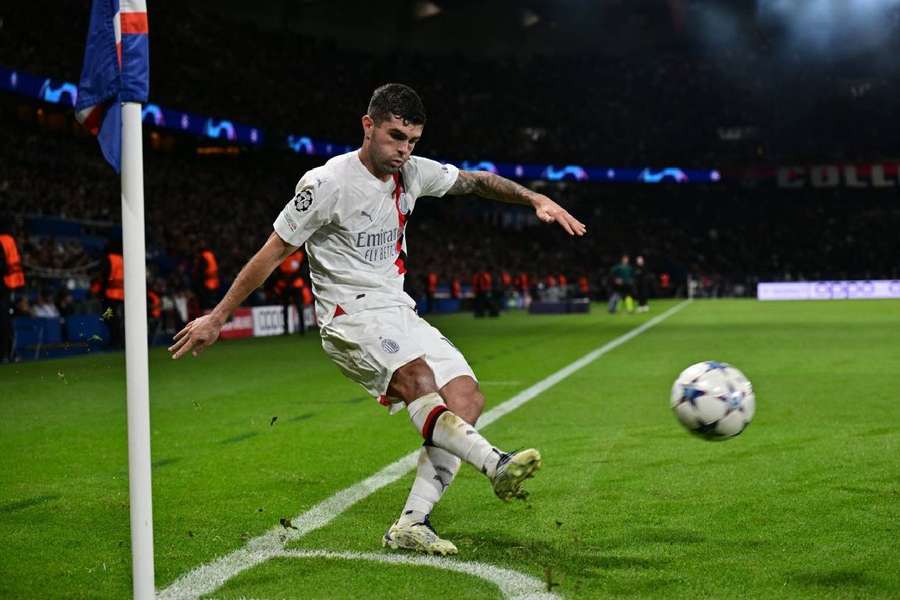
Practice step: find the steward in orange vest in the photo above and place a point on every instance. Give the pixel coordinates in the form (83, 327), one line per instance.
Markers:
(114, 282)
(13, 279)
(13, 276)
(154, 304)
(112, 287)
(206, 278)
(292, 289)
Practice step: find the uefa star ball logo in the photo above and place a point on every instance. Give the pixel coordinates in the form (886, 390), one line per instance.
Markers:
(303, 200)
(390, 346)
(404, 203)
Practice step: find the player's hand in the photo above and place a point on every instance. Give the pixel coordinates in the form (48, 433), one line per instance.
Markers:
(549, 211)
(196, 336)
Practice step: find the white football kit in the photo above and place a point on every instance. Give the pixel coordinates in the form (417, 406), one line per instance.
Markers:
(354, 225)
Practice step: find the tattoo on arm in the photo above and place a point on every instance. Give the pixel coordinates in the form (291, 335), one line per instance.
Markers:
(491, 186)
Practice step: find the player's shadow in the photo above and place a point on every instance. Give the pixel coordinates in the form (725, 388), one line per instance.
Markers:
(664, 535)
(11, 507)
(561, 554)
(834, 579)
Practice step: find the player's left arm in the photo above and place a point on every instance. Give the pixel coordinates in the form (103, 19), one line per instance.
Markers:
(491, 186)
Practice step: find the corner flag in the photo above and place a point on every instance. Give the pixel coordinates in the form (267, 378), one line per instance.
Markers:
(114, 82)
(116, 69)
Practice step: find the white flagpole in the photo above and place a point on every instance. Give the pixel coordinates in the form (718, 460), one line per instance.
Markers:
(137, 376)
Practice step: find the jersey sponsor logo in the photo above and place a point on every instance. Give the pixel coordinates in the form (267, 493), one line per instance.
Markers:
(365, 214)
(380, 246)
(390, 346)
(303, 200)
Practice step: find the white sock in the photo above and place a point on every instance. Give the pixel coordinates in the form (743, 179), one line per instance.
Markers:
(436, 470)
(446, 430)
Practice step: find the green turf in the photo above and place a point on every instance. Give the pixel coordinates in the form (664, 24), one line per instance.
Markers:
(806, 503)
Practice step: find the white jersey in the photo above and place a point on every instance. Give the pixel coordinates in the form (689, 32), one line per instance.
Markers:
(353, 225)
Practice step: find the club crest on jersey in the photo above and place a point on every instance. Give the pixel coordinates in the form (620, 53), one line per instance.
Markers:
(404, 203)
(390, 346)
(303, 200)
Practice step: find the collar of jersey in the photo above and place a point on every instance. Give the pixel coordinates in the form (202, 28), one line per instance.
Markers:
(385, 186)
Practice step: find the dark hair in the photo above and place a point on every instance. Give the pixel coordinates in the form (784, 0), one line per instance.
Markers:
(396, 99)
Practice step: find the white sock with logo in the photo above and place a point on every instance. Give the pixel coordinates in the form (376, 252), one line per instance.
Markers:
(442, 428)
(436, 470)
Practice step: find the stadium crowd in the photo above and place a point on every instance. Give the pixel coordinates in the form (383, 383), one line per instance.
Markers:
(654, 107)
(725, 237)
(682, 105)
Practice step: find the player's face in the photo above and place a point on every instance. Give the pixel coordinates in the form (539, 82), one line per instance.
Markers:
(392, 142)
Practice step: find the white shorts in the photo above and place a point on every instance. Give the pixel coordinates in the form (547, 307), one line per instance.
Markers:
(369, 345)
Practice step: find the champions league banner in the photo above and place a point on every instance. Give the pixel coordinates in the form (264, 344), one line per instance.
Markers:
(829, 290)
(54, 91)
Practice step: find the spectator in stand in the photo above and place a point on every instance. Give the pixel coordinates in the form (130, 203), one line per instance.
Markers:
(584, 287)
(44, 308)
(65, 303)
(431, 286)
(22, 307)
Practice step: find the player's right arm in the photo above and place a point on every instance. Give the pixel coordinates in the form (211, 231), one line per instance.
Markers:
(203, 332)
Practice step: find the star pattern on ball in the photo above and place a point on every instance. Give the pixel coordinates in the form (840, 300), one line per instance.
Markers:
(690, 394)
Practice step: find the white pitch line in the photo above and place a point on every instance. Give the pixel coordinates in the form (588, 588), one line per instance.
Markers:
(513, 585)
(208, 577)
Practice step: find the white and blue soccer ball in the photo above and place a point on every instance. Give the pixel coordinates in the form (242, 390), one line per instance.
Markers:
(713, 400)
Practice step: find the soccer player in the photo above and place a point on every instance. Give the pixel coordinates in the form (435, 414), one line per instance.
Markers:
(352, 213)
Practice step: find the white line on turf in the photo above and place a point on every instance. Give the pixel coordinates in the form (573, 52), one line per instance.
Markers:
(209, 577)
(513, 585)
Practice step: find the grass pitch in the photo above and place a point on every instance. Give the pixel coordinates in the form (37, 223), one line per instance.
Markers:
(804, 504)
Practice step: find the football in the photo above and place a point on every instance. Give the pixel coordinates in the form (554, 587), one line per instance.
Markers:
(713, 400)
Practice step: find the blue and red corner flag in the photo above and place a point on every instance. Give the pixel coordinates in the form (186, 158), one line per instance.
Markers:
(116, 69)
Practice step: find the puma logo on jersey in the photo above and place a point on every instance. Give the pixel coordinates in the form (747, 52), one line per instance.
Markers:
(364, 213)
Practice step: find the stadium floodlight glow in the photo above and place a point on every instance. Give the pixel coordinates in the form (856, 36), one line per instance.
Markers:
(425, 9)
(830, 27)
(529, 18)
